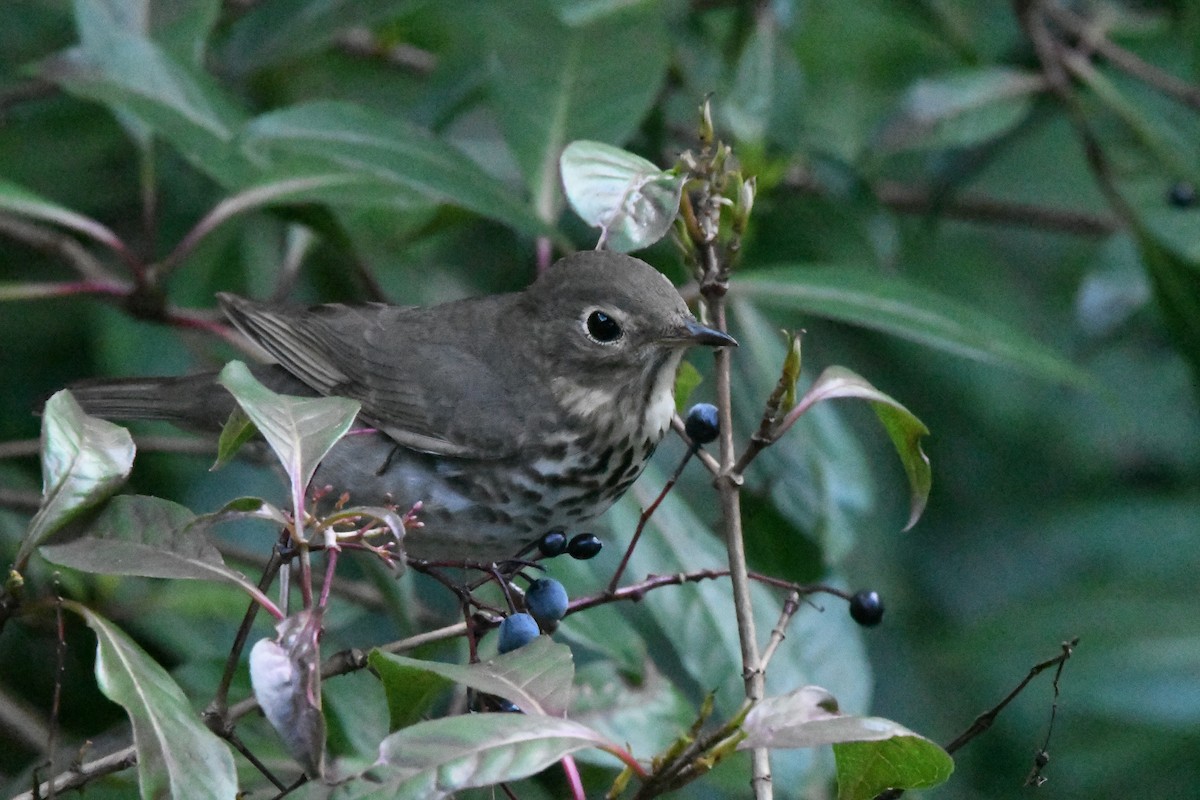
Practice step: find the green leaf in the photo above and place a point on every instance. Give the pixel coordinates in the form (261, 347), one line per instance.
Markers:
(399, 163)
(432, 760)
(789, 374)
(809, 717)
(276, 31)
(819, 648)
(819, 481)
(766, 96)
(181, 27)
(903, 427)
(84, 461)
(410, 690)
(686, 381)
(632, 201)
(962, 110)
(864, 769)
(1176, 282)
(300, 430)
(145, 536)
(898, 307)
(645, 714)
(186, 106)
(553, 82)
(536, 677)
(176, 755)
(236, 431)
(19, 200)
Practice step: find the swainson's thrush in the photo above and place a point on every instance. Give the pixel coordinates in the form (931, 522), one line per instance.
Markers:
(506, 416)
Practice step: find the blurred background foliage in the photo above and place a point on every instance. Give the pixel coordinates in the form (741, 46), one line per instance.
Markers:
(927, 211)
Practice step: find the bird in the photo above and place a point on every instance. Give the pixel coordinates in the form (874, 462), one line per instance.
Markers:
(505, 416)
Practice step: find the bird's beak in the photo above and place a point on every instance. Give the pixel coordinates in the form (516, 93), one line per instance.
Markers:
(692, 332)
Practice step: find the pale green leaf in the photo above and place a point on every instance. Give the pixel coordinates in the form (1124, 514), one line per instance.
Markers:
(962, 110)
(432, 760)
(177, 756)
(186, 106)
(84, 461)
(145, 536)
(809, 717)
(631, 200)
(536, 677)
(554, 82)
(181, 27)
(367, 157)
(899, 307)
(300, 430)
(902, 426)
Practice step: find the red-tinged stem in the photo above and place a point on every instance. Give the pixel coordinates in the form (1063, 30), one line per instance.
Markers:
(646, 514)
(41, 291)
(628, 760)
(574, 779)
(331, 559)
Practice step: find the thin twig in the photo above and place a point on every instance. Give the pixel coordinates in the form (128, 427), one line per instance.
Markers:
(984, 721)
(58, 245)
(790, 606)
(645, 517)
(972, 207)
(1126, 61)
(82, 774)
(729, 489)
(216, 714)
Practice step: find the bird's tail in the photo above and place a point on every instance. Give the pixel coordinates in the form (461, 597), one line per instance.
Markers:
(196, 401)
(192, 401)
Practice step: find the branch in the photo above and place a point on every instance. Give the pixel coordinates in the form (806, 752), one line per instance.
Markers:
(984, 721)
(58, 245)
(971, 207)
(82, 774)
(1094, 39)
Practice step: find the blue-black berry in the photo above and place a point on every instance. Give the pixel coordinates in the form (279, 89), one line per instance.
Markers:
(553, 544)
(584, 546)
(866, 608)
(517, 630)
(701, 424)
(1182, 194)
(546, 600)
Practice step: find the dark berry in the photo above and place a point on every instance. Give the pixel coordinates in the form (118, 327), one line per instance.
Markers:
(584, 546)
(1182, 194)
(701, 424)
(553, 544)
(517, 630)
(546, 600)
(866, 608)
(507, 706)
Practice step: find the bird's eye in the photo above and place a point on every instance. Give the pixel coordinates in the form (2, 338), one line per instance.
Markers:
(602, 328)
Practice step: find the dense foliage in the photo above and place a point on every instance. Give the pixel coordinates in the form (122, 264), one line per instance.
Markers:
(988, 211)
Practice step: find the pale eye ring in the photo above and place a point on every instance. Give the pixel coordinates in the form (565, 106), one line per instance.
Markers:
(602, 328)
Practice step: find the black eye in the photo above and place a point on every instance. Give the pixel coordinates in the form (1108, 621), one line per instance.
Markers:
(602, 327)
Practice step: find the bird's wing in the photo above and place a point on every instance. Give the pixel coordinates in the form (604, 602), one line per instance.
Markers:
(426, 394)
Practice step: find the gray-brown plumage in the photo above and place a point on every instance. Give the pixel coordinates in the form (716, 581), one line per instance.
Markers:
(506, 416)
